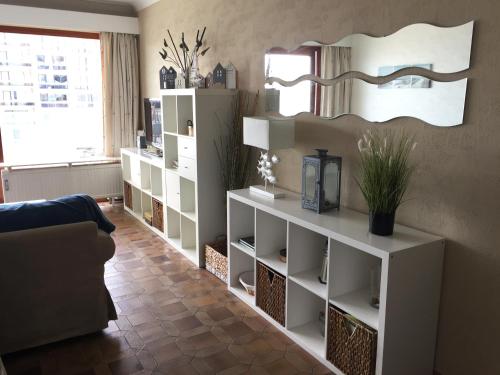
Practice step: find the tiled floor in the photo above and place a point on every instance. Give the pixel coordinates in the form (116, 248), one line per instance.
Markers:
(173, 319)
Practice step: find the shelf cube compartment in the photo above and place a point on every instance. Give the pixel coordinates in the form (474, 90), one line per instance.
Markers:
(170, 155)
(188, 198)
(126, 167)
(169, 112)
(270, 238)
(241, 219)
(305, 258)
(146, 204)
(156, 183)
(135, 171)
(127, 194)
(145, 176)
(350, 286)
(157, 214)
(184, 113)
(303, 317)
(172, 187)
(188, 234)
(240, 262)
(173, 226)
(136, 201)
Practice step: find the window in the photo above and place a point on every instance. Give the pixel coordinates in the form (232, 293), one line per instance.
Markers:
(50, 98)
(289, 66)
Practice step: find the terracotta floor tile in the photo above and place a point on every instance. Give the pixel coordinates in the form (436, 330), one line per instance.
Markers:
(173, 319)
(127, 365)
(219, 313)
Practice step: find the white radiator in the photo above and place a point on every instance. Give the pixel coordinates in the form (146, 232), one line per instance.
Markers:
(98, 181)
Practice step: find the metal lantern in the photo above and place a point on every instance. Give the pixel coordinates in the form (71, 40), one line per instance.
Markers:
(321, 181)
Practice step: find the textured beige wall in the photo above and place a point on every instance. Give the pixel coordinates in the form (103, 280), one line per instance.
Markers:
(455, 192)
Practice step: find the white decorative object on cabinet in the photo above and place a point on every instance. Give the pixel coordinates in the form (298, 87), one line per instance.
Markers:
(410, 260)
(187, 179)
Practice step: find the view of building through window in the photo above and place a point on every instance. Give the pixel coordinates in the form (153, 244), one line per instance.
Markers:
(50, 98)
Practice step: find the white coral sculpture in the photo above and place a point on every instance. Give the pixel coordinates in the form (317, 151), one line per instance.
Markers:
(264, 167)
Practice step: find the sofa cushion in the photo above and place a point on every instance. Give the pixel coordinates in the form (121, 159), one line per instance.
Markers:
(64, 210)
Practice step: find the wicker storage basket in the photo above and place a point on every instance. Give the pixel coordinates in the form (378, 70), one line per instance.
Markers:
(127, 194)
(157, 214)
(351, 345)
(271, 292)
(216, 258)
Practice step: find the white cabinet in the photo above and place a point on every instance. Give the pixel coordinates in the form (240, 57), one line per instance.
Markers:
(410, 283)
(187, 180)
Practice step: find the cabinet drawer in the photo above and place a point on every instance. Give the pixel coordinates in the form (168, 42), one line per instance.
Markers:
(187, 147)
(187, 168)
(172, 185)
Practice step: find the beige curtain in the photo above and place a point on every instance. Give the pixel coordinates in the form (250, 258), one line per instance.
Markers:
(336, 99)
(120, 91)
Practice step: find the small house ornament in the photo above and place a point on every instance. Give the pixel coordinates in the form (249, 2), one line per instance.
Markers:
(171, 77)
(219, 76)
(321, 181)
(180, 82)
(230, 76)
(163, 77)
(209, 80)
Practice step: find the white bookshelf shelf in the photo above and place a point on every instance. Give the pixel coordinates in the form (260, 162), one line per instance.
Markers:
(243, 248)
(409, 303)
(272, 260)
(309, 334)
(192, 217)
(357, 304)
(309, 280)
(242, 294)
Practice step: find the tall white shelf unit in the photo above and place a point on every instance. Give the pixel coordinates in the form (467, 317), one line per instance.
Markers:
(191, 193)
(411, 267)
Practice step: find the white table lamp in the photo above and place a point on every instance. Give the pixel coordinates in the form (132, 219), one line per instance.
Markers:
(268, 134)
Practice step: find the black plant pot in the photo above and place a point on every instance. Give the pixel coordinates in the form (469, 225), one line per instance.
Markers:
(382, 224)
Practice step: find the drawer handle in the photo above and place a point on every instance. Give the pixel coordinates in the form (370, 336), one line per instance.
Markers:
(185, 148)
(185, 167)
(270, 276)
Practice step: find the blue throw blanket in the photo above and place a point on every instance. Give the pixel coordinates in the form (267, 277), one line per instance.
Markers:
(64, 210)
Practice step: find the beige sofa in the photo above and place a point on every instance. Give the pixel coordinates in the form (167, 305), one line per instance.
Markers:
(52, 284)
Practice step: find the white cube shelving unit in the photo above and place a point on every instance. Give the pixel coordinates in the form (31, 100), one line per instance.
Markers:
(411, 267)
(191, 193)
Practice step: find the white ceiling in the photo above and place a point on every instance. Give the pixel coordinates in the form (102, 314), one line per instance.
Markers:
(137, 4)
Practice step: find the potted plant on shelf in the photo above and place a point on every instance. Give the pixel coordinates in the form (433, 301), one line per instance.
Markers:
(385, 172)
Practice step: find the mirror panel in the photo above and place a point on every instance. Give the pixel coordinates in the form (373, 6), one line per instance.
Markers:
(440, 49)
(312, 78)
(437, 103)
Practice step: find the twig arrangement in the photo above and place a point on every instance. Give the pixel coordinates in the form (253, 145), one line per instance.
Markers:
(170, 53)
(233, 155)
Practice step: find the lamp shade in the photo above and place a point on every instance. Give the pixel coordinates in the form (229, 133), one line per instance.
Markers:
(268, 133)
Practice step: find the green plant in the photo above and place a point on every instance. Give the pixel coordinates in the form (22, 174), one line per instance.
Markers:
(233, 155)
(385, 169)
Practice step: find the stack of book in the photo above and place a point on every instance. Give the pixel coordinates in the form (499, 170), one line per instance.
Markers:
(248, 242)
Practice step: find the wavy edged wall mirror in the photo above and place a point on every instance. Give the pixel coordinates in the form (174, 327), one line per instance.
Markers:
(313, 77)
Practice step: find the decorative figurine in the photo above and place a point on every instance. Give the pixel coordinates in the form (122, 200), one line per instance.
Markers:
(265, 168)
(219, 76)
(230, 76)
(171, 77)
(209, 80)
(163, 77)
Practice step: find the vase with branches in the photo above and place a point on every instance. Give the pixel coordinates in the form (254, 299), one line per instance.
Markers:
(235, 157)
(187, 58)
(385, 172)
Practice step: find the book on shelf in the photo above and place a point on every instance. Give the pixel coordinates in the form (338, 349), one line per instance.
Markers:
(248, 242)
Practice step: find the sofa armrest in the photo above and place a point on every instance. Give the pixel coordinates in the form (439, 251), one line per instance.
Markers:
(105, 245)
